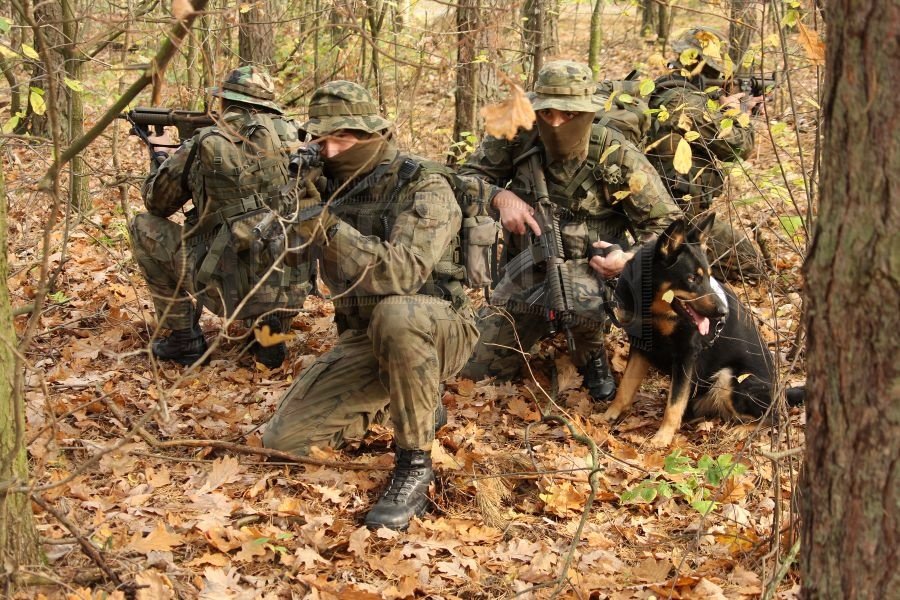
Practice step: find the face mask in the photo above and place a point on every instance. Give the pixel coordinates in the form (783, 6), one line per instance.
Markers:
(569, 140)
(358, 159)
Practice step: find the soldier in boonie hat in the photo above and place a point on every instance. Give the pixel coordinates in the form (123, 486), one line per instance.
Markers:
(710, 44)
(565, 85)
(250, 85)
(343, 105)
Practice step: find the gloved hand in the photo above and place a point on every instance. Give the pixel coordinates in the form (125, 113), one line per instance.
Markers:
(313, 229)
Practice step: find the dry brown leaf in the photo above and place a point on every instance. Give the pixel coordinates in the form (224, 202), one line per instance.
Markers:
(567, 375)
(224, 470)
(652, 570)
(216, 560)
(159, 540)
(563, 498)
(503, 119)
(707, 590)
(153, 586)
(223, 539)
(812, 43)
(359, 541)
(219, 584)
(522, 409)
(159, 478)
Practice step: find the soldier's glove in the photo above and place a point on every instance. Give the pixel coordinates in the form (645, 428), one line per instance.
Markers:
(313, 228)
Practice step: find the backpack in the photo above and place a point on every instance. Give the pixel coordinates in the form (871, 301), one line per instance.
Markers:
(624, 110)
(237, 175)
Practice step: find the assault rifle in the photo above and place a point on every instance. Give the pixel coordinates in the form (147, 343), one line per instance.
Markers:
(305, 163)
(548, 251)
(187, 122)
(752, 86)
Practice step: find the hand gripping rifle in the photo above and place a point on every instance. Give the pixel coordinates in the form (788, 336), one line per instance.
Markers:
(305, 163)
(548, 251)
(187, 122)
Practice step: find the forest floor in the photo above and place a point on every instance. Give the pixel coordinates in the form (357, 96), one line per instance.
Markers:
(513, 511)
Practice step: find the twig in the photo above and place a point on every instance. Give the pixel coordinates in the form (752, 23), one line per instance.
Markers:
(88, 548)
(781, 571)
(271, 453)
(776, 456)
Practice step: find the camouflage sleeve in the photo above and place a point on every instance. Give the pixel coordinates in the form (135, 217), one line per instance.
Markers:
(691, 110)
(418, 240)
(163, 190)
(487, 170)
(644, 198)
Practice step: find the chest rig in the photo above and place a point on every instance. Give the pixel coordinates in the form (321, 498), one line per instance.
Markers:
(372, 206)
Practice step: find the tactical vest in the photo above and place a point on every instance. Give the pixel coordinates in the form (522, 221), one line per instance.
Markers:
(236, 171)
(586, 212)
(372, 206)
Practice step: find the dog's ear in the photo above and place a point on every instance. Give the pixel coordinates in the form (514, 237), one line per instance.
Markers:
(671, 240)
(704, 227)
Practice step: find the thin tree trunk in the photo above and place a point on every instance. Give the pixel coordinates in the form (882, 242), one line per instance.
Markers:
(466, 82)
(18, 536)
(540, 34)
(256, 44)
(851, 488)
(596, 40)
(72, 65)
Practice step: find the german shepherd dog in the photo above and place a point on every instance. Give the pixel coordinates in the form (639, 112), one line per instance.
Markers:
(702, 336)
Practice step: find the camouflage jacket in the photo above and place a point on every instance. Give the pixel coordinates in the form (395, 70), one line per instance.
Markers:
(622, 195)
(393, 239)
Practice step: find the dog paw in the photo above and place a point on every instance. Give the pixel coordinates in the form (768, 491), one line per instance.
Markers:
(662, 439)
(611, 415)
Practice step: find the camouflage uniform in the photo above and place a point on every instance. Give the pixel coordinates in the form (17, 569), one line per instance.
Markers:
(584, 194)
(403, 318)
(404, 321)
(184, 267)
(689, 108)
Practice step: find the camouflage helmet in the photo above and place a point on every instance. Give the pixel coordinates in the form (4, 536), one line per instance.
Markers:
(709, 43)
(343, 105)
(250, 85)
(565, 85)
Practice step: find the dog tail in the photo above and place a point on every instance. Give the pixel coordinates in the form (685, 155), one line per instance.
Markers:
(795, 395)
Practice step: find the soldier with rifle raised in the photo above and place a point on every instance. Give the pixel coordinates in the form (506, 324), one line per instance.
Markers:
(583, 192)
(227, 254)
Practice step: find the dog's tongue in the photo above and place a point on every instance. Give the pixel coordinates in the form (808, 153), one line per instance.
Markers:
(702, 323)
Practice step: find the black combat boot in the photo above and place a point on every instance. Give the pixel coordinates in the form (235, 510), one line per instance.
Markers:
(183, 346)
(440, 411)
(407, 495)
(270, 356)
(598, 378)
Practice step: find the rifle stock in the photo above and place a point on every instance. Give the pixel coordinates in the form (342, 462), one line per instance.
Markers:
(187, 123)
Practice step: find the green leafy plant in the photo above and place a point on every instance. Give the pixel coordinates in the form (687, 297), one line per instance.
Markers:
(685, 479)
(59, 298)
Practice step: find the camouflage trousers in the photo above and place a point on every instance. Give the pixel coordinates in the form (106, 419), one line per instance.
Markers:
(170, 266)
(517, 321)
(391, 369)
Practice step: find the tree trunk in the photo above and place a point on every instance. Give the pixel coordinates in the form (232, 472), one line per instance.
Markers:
(851, 496)
(476, 72)
(596, 40)
(18, 536)
(256, 44)
(72, 64)
(540, 34)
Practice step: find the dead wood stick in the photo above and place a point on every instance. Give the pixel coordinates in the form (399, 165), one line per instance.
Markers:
(88, 547)
(271, 453)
